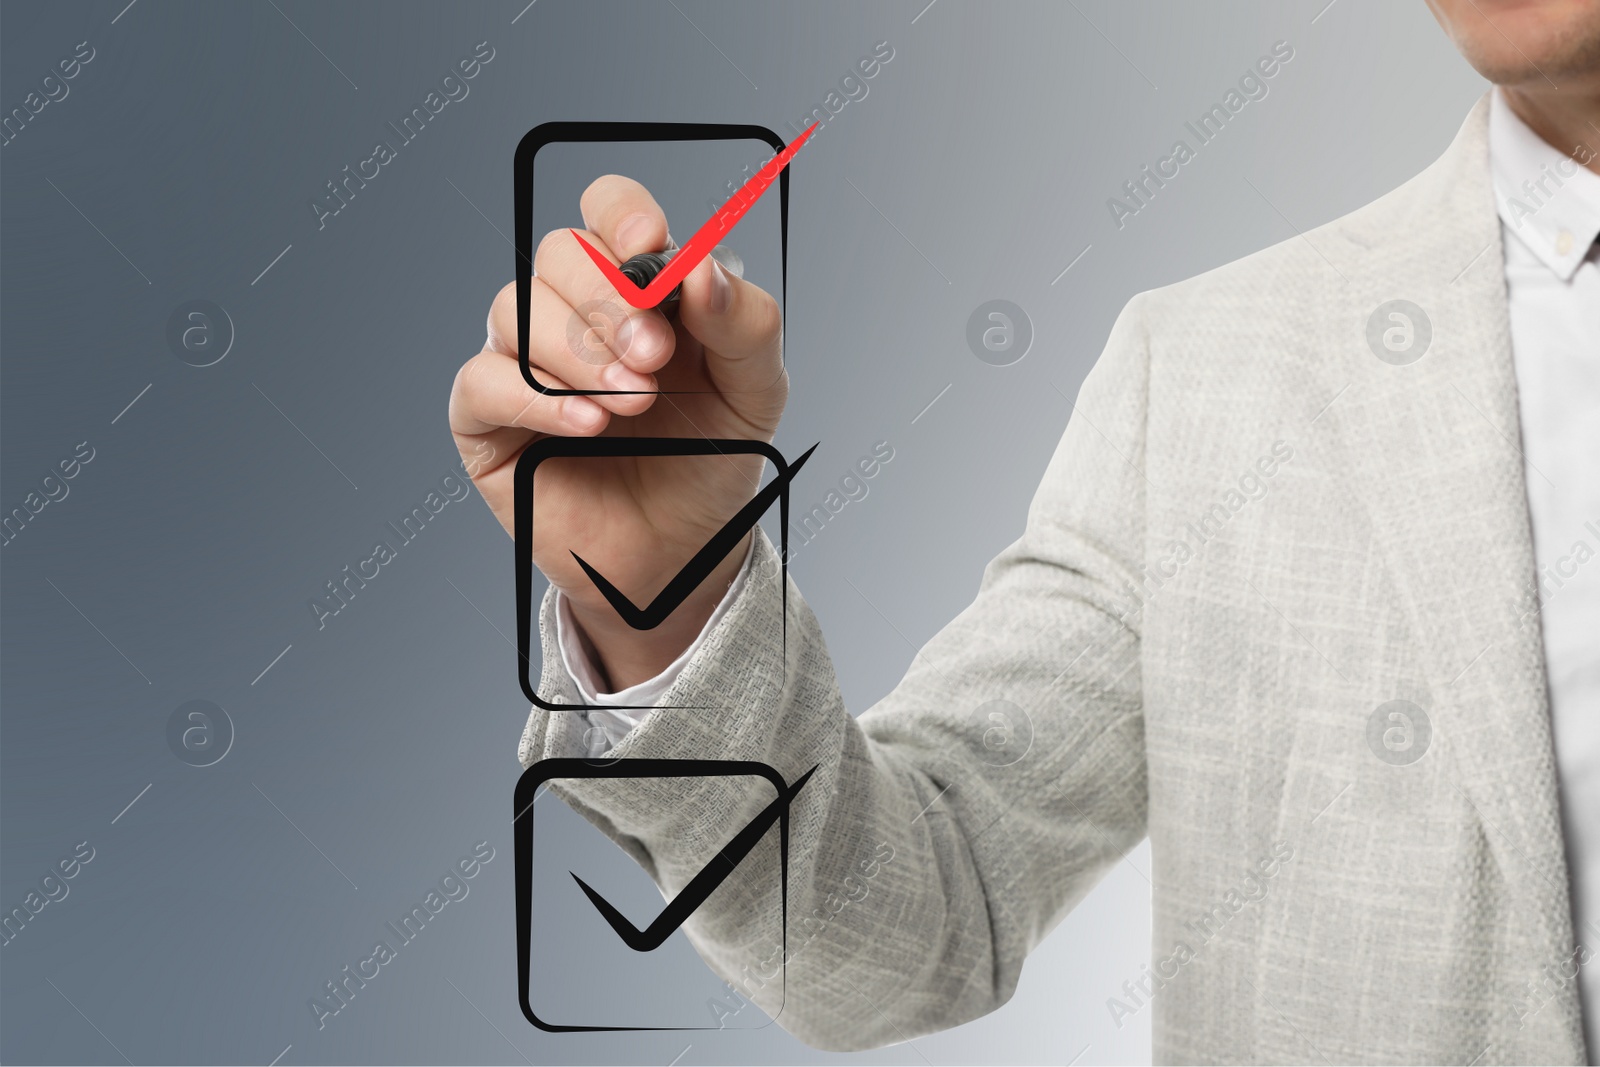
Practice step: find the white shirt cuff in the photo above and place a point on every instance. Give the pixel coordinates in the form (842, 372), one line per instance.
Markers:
(608, 726)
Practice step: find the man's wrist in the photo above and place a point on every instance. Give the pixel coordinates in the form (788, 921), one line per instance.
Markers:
(626, 656)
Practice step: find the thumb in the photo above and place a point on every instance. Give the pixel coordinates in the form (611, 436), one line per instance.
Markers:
(741, 327)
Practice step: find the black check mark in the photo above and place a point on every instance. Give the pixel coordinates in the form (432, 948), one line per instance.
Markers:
(692, 573)
(529, 787)
(700, 566)
(702, 885)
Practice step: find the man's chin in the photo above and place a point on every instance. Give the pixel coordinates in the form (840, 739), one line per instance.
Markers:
(1532, 45)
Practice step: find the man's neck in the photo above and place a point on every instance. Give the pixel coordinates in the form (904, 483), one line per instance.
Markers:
(1567, 119)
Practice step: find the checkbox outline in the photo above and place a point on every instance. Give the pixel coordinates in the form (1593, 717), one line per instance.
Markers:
(618, 447)
(562, 767)
(567, 132)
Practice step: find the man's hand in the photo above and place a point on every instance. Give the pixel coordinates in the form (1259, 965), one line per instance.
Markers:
(635, 520)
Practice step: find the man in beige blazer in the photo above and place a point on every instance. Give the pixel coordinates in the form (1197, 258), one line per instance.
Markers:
(1277, 606)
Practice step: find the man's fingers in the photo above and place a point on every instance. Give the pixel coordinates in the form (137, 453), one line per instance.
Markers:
(488, 459)
(490, 393)
(483, 454)
(624, 215)
(573, 345)
(642, 338)
(741, 327)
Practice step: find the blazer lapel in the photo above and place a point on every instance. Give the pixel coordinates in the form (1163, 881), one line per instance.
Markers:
(1433, 449)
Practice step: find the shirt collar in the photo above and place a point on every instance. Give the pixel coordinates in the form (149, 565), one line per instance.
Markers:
(1544, 196)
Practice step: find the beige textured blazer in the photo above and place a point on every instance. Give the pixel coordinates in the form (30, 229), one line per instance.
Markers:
(1254, 535)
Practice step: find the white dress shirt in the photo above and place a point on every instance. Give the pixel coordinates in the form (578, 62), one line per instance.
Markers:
(607, 727)
(1549, 218)
(1550, 215)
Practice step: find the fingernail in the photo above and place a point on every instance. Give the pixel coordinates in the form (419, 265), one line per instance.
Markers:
(631, 232)
(617, 376)
(581, 413)
(721, 288)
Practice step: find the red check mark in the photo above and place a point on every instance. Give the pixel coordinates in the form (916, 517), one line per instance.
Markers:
(705, 239)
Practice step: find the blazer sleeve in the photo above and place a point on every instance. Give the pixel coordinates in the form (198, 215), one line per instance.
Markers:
(952, 825)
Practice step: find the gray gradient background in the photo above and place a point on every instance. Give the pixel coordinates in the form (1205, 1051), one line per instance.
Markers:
(977, 167)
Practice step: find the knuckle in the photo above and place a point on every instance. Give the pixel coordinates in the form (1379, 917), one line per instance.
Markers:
(461, 395)
(504, 304)
(503, 310)
(669, 337)
(550, 246)
(765, 315)
(465, 387)
(552, 353)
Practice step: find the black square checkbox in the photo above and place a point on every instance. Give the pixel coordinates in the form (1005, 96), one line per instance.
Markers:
(615, 132)
(687, 579)
(720, 866)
